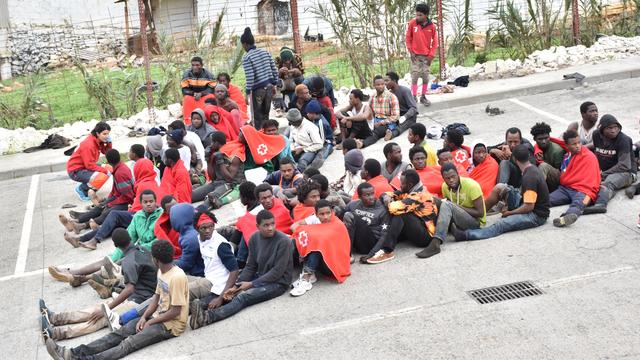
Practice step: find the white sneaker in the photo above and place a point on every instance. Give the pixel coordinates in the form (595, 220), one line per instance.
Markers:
(113, 319)
(303, 285)
(312, 279)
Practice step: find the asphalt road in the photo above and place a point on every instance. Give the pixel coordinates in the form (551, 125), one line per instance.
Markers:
(407, 308)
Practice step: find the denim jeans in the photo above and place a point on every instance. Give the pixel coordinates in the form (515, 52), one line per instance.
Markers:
(115, 219)
(613, 183)
(305, 159)
(99, 213)
(122, 342)
(564, 195)
(450, 213)
(83, 177)
(312, 261)
(245, 299)
(511, 223)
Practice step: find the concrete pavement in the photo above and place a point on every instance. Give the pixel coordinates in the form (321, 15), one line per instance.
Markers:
(407, 308)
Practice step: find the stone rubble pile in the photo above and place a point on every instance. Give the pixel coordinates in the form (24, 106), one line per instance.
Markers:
(605, 49)
(13, 141)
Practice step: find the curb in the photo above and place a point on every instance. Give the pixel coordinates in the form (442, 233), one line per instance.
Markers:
(436, 106)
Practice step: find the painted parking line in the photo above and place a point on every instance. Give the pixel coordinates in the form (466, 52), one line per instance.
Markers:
(541, 112)
(23, 249)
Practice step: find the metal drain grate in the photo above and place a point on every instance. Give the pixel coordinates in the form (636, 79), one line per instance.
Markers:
(505, 292)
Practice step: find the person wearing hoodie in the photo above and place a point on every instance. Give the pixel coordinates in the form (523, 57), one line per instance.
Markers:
(82, 165)
(176, 180)
(182, 221)
(145, 178)
(200, 127)
(618, 167)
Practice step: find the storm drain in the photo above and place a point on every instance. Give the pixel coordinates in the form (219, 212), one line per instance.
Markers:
(505, 292)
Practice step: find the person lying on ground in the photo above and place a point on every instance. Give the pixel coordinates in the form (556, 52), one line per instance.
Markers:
(367, 220)
(509, 173)
(82, 166)
(462, 207)
(412, 218)
(588, 125)
(526, 208)
(549, 153)
(165, 317)
(220, 265)
(225, 175)
(386, 112)
(417, 136)
(139, 274)
(618, 167)
(267, 274)
(579, 180)
(324, 246)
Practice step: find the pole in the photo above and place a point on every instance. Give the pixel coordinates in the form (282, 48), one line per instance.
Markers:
(297, 45)
(126, 24)
(441, 54)
(577, 37)
(147, 67)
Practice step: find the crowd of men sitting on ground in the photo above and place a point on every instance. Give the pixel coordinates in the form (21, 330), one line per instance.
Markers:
(173, 263)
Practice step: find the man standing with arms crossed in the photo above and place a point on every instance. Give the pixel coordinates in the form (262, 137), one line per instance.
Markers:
(422, 43)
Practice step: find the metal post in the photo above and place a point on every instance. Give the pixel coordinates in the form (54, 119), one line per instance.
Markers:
(126, 25)
(297, 45)
(147, 68)
(577, 37)
(441, 49)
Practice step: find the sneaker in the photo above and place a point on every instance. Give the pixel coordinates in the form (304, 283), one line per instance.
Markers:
(112, 317)
(565, 220)
(44, 310)
(388, 135)
(46, 328)
(81, 194)
(302, 286)
(198, 315)
(424, 101)
(60, 274)
(313, 279)
(380, 257)
(103, 291)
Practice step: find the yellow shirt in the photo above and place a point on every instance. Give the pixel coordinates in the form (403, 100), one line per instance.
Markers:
(173, 290)
(468, 191)
(432, 155)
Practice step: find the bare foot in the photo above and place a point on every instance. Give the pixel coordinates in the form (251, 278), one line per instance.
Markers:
(93, 195)
(93, 225)
(65, 222)
(71, 240)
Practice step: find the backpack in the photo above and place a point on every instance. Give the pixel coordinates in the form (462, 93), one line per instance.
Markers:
(53, 141)
(462, 128)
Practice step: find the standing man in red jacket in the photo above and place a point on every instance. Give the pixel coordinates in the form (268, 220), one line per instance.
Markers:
(422, 43)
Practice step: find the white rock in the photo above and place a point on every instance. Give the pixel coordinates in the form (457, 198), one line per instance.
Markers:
(175, 110)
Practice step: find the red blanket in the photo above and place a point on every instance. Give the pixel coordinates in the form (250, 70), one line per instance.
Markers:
(145, 179)
(537, 150)
(301, 212)
(236, 95)
(431, 179)
(246, 224)
(380, 186)
(226, 124)
(263, 147)
(189, 104)
(582, 174)
(461, 157)
(177, 182)
(331, 240)
(283, 218)
(486, 174)
(163, 231)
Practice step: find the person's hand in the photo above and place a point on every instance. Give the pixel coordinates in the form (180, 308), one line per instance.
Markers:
(499, 154)
(95, 315)
(216, 303)
(230, 294)
(539, 156)
(505, 212)
(294, 226)
(142, 323)
(349, 124)
(412, 56)
(245, 285)
(363, 259)
(197, 96)
(298, 151)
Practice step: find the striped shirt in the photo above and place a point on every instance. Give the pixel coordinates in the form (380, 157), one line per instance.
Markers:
(201, 83)
(385, 106)
(259, 69)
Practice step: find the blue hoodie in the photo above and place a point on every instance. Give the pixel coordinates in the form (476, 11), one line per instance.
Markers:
(182, 221)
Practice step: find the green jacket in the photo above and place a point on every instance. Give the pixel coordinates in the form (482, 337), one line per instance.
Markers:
(141, 231)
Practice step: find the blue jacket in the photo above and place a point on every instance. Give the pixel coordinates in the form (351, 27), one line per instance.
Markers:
(182, 221)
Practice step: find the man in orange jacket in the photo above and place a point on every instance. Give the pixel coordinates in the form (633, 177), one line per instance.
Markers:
(422, 42)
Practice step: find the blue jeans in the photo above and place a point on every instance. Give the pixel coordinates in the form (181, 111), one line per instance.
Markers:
(115, 219)
(564, 195)
(511, 223)
(312, 261)
(83, 177)
(245, 299)
(326, 150)
(243, 251)
(305, 159)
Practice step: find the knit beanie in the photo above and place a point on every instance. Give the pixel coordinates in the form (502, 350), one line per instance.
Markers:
(313, 106)
(176, 135)
(286, 54)
(294, 115)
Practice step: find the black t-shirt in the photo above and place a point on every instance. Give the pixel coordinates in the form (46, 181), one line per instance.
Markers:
(535, 186)
(138, 269)
(609, 152)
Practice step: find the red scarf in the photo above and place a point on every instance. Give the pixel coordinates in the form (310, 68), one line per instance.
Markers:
(582, 174)
(331, 240)
(163, 231)
(486, 174)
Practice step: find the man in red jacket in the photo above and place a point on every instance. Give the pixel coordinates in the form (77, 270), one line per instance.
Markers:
(579, 180)
(422, 42)
(176, 180)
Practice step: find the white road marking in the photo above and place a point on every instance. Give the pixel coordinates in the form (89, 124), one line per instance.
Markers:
(23, 250)
(541, 112)
(361, 320)
(30, 273)
(591, 275)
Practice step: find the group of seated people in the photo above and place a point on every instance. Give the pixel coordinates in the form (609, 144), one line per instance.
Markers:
(173, 263)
